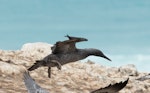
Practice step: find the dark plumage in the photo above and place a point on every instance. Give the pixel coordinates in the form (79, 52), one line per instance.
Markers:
(33, 87)
(64, 52)
(115, 88)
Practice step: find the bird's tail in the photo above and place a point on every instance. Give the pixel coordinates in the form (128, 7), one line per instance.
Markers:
(36, 65)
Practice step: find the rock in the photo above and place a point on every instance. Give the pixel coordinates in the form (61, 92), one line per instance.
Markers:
(10, 69)
(77, 77)
(38, 50)
(129, 70)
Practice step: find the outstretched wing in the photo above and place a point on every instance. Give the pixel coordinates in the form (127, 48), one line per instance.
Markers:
(31, 85)
(115, 88)
(66, 46)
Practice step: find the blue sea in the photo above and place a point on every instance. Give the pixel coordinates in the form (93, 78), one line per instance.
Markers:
(119, 28)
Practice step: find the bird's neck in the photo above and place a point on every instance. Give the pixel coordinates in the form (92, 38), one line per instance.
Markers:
(89, 51)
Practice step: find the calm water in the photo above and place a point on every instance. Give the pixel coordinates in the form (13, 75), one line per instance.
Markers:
(120, 28)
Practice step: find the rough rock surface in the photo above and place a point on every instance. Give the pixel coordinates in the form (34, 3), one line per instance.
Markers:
(78, 77)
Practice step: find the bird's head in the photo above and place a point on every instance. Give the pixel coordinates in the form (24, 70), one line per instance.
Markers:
(97, 52)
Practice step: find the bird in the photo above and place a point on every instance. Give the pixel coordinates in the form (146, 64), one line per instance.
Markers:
(146, 77)
(33, 87)
(64, 52)
(112, 88)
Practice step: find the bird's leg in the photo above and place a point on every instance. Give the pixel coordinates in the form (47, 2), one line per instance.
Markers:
(57, 64)
(49, 72)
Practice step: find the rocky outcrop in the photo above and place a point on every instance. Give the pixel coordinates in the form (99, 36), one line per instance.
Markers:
(78, 77)
(37, 50)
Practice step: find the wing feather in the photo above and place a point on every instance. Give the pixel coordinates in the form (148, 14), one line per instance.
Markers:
(31, 85)
(115, 88)
(67, 46)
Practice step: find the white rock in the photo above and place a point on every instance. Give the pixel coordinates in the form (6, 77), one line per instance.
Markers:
(129, 69)
(37, 49)
(77, 77)
(9, 69)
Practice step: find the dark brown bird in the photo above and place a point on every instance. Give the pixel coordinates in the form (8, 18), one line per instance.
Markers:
(64, 52)
(115, 88)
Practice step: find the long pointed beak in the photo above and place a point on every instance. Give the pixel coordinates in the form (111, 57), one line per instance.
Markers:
(84, 39)
(106, 57)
